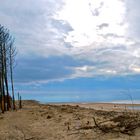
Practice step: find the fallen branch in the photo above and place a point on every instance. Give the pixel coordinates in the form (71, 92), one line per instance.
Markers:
(124, 124)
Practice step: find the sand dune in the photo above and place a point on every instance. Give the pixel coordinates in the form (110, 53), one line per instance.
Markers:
(70, 122)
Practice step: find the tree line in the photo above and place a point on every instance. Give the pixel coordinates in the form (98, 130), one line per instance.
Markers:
(7, 58)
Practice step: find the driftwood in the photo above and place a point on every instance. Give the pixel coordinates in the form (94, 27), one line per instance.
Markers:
(125, 124)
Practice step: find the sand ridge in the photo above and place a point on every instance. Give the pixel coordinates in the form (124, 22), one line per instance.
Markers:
(69, 122)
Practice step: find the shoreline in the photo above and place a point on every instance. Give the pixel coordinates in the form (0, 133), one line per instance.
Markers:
(107, 106)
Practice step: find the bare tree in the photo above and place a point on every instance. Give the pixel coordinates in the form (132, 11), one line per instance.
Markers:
(2, 42)
(7, 53)
(12, 53)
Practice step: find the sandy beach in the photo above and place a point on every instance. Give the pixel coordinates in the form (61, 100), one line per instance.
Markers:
(82, 121)
(106, 106)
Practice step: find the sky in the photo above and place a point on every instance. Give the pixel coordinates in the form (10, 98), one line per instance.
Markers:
(75, 50)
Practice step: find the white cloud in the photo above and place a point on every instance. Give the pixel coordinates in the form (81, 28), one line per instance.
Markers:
(135, 68)
(101, 35)
(87, 27)
(133, 18)
(102, 32)
(33, 26)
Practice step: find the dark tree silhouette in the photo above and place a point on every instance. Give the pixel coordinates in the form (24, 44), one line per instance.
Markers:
(12, 53)
(7, 53)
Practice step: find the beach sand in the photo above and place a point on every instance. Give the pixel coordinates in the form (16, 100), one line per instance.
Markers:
(70, 121)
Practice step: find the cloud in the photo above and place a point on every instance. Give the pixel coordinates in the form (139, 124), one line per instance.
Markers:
(41, 70)
(35, 29)
(59, 39)
(97, 8)
(103, 25)
(104, 37)
(133, 18)
(32, 70)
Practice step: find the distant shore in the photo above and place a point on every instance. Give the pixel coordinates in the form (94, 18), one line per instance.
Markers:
(108, 106)
(104, 106)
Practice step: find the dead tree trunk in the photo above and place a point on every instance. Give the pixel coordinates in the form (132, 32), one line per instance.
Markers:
(6, 80)
(6, 62)
(12, 51)
(2, 82)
